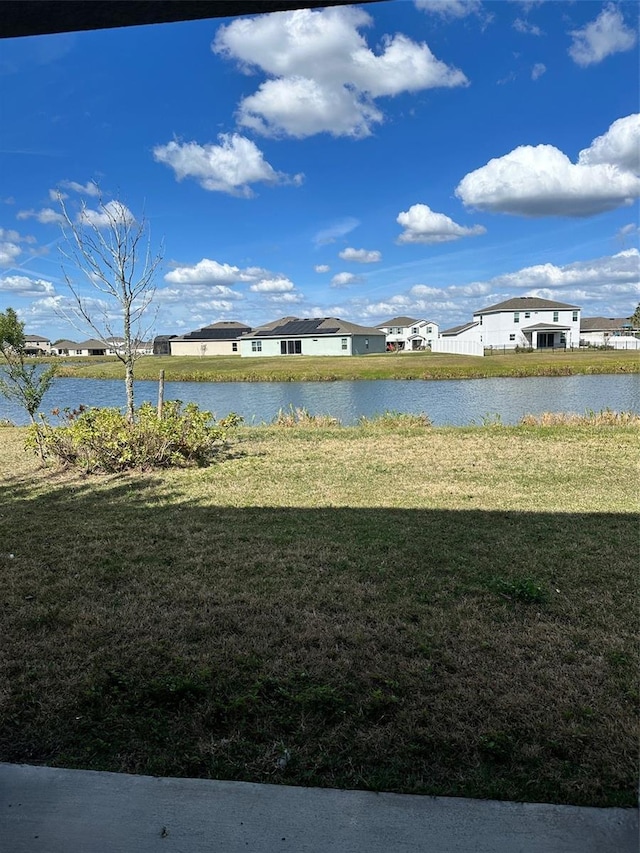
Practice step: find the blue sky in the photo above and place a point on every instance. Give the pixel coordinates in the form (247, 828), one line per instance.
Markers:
(423, 158)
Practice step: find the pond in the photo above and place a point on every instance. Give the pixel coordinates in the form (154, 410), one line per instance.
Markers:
(446, 402)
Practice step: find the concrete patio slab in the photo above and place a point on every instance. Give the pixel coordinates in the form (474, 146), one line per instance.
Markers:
(81, 811)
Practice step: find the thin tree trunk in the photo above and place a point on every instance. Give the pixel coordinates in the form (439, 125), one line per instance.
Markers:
(128, 381)
(160, 394)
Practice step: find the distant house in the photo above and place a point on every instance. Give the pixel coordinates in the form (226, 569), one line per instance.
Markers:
(218, 339)
(528, 321)
(596, 331)
(90, 347)
(37, 345)
(115, 345)
(405, 333)
(64, 347)
(312, 336)
(162, 344)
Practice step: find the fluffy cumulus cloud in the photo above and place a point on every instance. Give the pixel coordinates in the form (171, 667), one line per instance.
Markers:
(619, 146)
(345, 279)
(450, 8)
(107, 214)
(606, 35)
(22, 285)
(272, 285)
(542, 180)
(322, 75)
(608, 286)
(322, 268)
(209, 272)
(622, 269)
(285, 298)
(361, 256)
(9, 251)
(229, 167)
(46, 216)
(423, 225)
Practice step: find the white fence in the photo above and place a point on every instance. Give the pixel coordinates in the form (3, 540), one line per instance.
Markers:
(457, 347)
(623, 342)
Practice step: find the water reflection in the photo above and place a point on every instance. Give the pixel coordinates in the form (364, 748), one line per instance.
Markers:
(447, 402)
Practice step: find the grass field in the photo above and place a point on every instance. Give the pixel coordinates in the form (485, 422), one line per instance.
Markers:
(419, 365)
(442, 611)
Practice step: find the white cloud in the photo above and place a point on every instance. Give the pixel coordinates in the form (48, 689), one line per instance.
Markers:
(538, 70)
(344, 279)
(608, 286)
(361, 256)
(229, 167)
(523, 26)
(338, 229)
(196, 295)
(542, 181)
(107, 214)
(619, 146)
(22, 285)
(90, 188)
(450, 8)
(323, 77)
(322, 268)
(208, 272)
(46, 216)
(604, 36)
(9, 251)
(423, 225)
(272, 285)
(622, 268)
(629, 230)
(285, 298)
(15, 237)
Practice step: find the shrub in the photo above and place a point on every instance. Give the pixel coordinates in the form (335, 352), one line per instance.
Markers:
(104, 440)
(605, 417)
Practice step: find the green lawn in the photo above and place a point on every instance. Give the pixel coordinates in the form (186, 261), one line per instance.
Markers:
(435, 611)
(420, 365)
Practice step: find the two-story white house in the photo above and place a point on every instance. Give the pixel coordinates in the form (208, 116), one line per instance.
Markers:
(37, 345)
(405, 333)
(528, 321)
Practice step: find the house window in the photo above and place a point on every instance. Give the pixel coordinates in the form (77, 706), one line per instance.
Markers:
(414, 331)
(290, 347)
(527, 314)
(516, 316)
(256, 346)
(512, 337)
(78, 352)
(575, 316)
(344, 343)
(366, 343)
(481, 319)
(555, 316)
(234, 347)
(429, 330)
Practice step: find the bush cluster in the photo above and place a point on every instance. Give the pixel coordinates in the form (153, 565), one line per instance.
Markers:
(98, 439)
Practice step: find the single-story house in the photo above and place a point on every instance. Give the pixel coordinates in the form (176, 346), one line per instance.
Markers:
(217, 339)
(596, 331)
(528, 321)
(406, 333)
(116, 345)
(312, 336)
(65, 347)
(37, 345)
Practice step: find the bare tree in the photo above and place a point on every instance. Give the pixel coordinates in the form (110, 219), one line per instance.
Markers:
(112, 251)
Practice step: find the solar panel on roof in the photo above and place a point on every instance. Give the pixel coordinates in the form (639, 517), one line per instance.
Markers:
(297, 327)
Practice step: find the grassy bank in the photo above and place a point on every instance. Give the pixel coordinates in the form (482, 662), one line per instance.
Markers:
(423, 610)
(419, 365)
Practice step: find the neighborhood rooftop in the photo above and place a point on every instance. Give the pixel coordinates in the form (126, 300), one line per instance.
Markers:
(294, 327)
(526, 303)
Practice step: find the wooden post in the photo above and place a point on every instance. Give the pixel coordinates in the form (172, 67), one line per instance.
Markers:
(160, 394)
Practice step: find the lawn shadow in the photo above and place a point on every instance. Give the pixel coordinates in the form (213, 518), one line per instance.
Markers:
(466, 653)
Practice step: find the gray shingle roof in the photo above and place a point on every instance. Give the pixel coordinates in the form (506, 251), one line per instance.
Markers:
(456, 330)
(604, 324)
(526, 303)
(398, 321)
